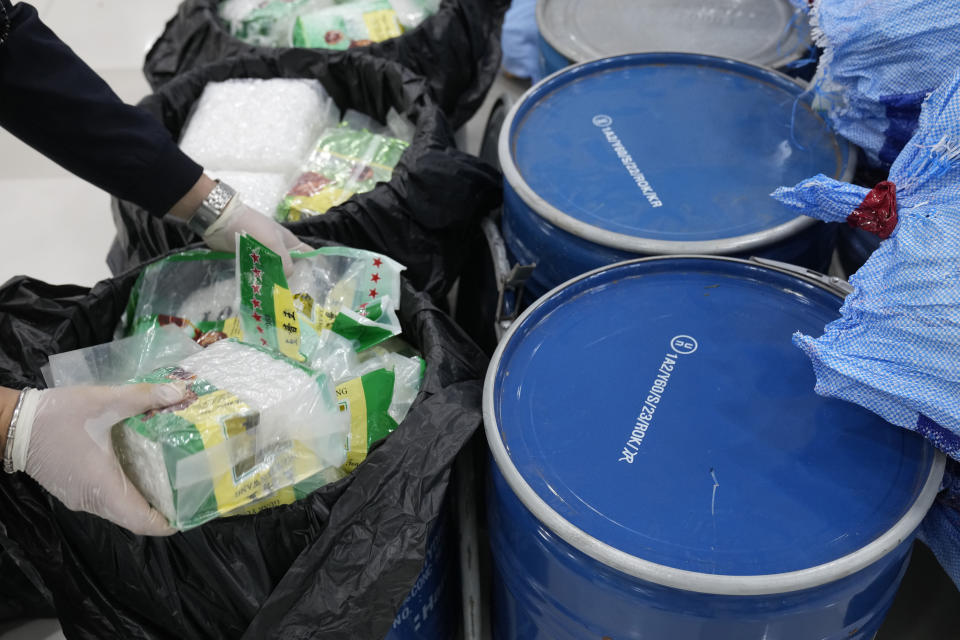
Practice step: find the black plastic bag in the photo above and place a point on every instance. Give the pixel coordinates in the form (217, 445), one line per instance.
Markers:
(457, 50)
(334, 565)
(20, 597)
(421, 217)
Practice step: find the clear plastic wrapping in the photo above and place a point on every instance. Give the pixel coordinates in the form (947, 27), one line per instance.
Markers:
(268, 23)
(347, 25)
(193, 290)
(298, 380)
(350, 291)
(323, 24)
(353, 293)
(375, 387)
(119, 361)
(253, 424)
(347, 159)
(234, 11)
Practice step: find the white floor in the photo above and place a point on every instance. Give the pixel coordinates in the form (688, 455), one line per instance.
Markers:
(54, 226)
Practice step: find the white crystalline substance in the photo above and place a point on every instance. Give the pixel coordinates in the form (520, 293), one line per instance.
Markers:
(216, 301)
(257, 125)
(261, 191)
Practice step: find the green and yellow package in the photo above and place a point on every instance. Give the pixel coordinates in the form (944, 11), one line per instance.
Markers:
(253, 424)
(345, 161)
(267, 314)
(349, 291)
(346, 26)
(269, 23)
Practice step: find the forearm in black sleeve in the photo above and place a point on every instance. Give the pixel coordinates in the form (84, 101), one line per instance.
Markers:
(55, 103)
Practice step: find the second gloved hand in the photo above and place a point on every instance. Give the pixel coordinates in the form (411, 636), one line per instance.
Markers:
(62, 440)
(239, 218)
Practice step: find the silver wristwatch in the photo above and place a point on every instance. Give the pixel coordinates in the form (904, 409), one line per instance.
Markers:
(211, 208)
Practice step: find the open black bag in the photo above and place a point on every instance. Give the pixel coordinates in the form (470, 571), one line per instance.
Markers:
(422, 217)
(334, 565)
(457, 50)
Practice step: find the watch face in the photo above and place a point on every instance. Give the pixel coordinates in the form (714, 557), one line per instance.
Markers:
(219, 197)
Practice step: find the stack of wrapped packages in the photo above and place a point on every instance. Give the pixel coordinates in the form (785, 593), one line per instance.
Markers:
(282, 145)
(289, 382)
(896, 347)
(323, 24)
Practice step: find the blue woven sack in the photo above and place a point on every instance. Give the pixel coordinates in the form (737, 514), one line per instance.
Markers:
(896, 347)
(881, 59)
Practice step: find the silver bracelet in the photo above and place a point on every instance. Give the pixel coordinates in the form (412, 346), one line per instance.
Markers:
(11, 431)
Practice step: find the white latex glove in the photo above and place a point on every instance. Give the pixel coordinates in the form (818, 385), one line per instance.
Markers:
(238, 217)
(62, 440)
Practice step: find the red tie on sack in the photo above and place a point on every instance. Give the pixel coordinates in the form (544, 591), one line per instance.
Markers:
(878, 211)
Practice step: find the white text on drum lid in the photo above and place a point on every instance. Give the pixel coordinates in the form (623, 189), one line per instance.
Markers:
(631, 167)
(648, 409)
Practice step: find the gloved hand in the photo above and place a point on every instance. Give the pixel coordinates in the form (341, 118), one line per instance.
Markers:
(238, 217)
(62, 440)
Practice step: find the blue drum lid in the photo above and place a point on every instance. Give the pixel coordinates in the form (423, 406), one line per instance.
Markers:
(764, 32)
(660, 407)
(666, 147)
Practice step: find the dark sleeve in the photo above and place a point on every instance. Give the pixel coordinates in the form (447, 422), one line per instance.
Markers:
(55, 103)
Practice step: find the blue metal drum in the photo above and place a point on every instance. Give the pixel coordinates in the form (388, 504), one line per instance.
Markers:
(655, 154)
(763, 32)
(432, 609)
(664, 469)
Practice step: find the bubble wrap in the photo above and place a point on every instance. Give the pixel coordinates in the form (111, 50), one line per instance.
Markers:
(257, 125)
(261, 191)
